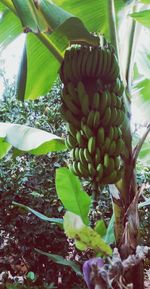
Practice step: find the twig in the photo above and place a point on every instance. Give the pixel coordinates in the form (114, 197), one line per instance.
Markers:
(138, 147)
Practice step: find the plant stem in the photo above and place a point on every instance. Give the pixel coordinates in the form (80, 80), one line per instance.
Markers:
(112, 25)
(131, 49)
(50, 45)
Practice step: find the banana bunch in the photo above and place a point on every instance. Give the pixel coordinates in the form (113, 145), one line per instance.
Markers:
(92, 105)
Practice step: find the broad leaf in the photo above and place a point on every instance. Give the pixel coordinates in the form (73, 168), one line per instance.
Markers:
(9, 25)
(62, 261)
(85, 237)
(30, 139)
(93, 13)
(70, 192)
(110, 236)
(57, 221)
(142, 17)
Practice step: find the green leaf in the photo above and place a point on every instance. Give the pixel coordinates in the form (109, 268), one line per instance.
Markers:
(4, 147)
(144, 204)
(100, 228)
(31, 140)
(142, 17)
(71, 194)
(85, 237)
(93, 13)
(9, 25)
(39, 215)
(62, 261)
(110, 236)
(144, 154)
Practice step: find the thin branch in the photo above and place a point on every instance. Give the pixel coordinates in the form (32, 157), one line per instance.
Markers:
(138, 147)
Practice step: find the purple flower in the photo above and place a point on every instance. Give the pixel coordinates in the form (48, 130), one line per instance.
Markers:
(87, 270)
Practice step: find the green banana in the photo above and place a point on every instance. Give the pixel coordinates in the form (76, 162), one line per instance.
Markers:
(100, 136)
(80, 138)
(104, 63)
(87, 131)
(114, 72)
(84, 61)
(119, 102)
(111, 165)
(109, 57)
(71, 140)
(120, 147)
(76, 153)
(99, 63)
(71, 129)
(117, 162)
(90, 119)
(96, 120)
(97, 157)
(113, 99)
(70, 105)
(107, 116)
(106, 160)
(83, 171)
(91, 169)
(112, 148)
(99, 172)
(103, 101)
(79, 62)
(71, 90)
(96, 101)
(114, 114)
(95, 61)
(87, 155)
(111, 133)
(106, 144)
(89, 63)
(82, 157)
(91, 144)
(83, 98)
(75, 168)
(69, 117)
(74, 59)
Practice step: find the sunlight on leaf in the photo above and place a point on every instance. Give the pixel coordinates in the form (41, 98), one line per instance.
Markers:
(31, 140)
(85, 237)
(142, 17)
